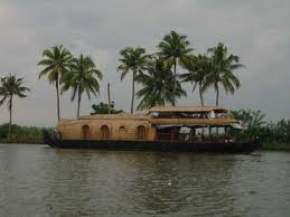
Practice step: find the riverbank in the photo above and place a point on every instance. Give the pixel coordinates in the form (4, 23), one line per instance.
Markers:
(22, 134)
(276, 147)
(266, 147)
(22, 141)
(34, 135)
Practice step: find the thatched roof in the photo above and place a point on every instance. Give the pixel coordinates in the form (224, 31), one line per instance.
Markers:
(120, 116)
(187, 109)
(187, 121)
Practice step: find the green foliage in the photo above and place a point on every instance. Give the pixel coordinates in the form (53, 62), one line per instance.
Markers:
(198, 68)
(83, 77)
(133, 60)
(56, 62)
(22, 134)
(272, 135)
(278, 133)
(174, 48)
(11, 86)
(103, 108)
(157, 85)
(221, 73)
(250, 119)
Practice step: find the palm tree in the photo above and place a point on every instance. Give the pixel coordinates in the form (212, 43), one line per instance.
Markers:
(10, 87)
(157, 85)
(250, 119)
(133, 60)
(174, 48)
(56, 62)
(223, 66)
(83, 77)
(198, 69)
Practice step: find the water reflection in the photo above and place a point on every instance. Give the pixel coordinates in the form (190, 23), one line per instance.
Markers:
(39, 181)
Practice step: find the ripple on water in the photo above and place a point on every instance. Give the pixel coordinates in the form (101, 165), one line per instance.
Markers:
(39, 181)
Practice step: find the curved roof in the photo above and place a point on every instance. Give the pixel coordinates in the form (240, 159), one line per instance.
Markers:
(121, 116)
(187, 109)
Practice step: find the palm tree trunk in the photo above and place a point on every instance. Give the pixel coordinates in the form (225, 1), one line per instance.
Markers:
(79, 103)
(133, 93)
(10, 117)
(217, 104)
(174, 86)
(217, 95)
(201, 96)
(57, 99)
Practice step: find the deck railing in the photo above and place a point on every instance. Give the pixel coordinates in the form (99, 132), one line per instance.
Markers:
(191, 138)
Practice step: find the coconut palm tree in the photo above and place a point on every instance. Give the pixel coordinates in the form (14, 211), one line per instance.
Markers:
(11, 86)
(250, 119)
(222, 73)
(157, 85)
(132, 60)
(199, 67)
(83, 77)
(56, 62)
(175, 49)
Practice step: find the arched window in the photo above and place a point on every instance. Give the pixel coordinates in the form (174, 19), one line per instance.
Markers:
(122, 132)
(141, 132)
(85, 132)
(105, 132)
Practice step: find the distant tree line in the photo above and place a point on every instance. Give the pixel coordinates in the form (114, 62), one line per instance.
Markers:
(254, 125)
(22, 134)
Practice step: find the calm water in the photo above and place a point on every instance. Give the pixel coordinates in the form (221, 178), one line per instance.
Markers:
(40, 181)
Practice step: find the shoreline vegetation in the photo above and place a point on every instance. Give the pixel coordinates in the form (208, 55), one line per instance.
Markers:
(34, 135)
(157, 79)
(22, 134)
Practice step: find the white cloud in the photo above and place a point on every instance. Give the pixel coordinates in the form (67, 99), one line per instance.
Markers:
(258, 33)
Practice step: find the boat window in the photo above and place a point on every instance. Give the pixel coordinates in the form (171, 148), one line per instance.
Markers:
(85, 132)
(122, 132)
(141, 132)
(105, 132)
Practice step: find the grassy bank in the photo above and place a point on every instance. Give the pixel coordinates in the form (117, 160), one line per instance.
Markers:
(22, 134)
(34, 135)
(276, 147)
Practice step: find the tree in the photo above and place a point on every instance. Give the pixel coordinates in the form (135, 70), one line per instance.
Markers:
(252, 121)
(157, 85)
(174, 48)
(222, 73)
(56, 62)
(11, 86)
(83, 77)
(133, 60)
(198, 68)
(104, 108)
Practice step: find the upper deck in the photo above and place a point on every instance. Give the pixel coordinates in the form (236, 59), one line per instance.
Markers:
(187, 109)
(190, 115)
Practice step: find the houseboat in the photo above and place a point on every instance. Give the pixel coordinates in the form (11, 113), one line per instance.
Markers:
(162, 128)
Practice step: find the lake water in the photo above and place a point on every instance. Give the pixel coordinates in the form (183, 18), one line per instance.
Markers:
(36, 180)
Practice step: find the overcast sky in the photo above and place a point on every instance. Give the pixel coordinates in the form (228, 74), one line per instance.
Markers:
(257, 31)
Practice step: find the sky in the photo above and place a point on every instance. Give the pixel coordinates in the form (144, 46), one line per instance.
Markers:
(257, 31)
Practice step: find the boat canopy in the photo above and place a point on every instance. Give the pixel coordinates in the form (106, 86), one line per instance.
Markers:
(186, 109)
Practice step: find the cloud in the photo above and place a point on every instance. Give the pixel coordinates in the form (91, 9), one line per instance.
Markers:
(258, 33)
